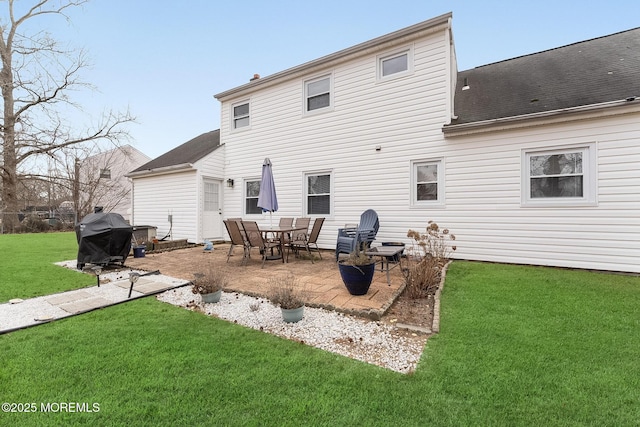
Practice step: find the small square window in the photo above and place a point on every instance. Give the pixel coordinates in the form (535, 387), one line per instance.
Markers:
(396, 64)
(318, 93)
(105, 173)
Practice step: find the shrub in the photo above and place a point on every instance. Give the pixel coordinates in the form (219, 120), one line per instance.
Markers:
(427, 255)
(212, 281)
(33, 224)
(286, 292)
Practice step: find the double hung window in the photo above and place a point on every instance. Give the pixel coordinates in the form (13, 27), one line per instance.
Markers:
(318, 194)
(559, 177)
(427, 183)
(241, 116)
(317, 93)
(252, 189)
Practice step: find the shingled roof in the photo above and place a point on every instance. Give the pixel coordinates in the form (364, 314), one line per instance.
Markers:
(189, 152)
(585, 73)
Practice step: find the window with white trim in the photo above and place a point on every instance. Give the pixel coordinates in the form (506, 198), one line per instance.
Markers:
(105, 173)
(317, 93)
(251, 192)
(240, 112)
(395, 64)
(559, 177)
(318, 193)
(427, 177)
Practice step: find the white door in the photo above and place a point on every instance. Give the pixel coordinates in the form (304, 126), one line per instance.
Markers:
(212, 211)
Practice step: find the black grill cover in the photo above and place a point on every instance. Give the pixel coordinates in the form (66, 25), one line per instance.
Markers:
(103, 238)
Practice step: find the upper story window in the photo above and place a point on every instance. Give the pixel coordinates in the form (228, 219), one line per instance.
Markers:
(561, 177)
(241, 117)
(395, 64)
(427, 177)
(252, 189)
(317, 93)
(318, 193)
(105, 173)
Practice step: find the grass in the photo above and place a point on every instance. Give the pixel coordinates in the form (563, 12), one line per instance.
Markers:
(27, 269)
(518, 346)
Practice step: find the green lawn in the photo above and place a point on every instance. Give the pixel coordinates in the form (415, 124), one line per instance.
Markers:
(518, 346)
(27, 269)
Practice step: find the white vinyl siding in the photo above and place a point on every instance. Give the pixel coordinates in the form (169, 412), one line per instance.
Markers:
(365, 115)
(483, 172)
(156, 197)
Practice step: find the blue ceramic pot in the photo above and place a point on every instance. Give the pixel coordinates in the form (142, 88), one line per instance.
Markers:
(357, 278)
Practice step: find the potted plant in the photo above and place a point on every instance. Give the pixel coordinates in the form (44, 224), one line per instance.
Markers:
(210, 285)
(287, 293)
(357, 272)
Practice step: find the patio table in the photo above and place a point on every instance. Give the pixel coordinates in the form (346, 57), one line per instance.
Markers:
(278, 232)
(387, 253)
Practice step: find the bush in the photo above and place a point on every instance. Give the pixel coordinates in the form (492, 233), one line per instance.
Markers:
(427, 256)
(33, 224)
(286, 292)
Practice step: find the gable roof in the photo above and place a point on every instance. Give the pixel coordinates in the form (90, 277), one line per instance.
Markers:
(383, 42)
(185, 154)
(590, 72)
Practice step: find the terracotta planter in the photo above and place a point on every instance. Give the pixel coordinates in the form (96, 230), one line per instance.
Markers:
(357, 278)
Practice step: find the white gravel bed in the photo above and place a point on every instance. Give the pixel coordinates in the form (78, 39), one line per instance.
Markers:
(368, 341)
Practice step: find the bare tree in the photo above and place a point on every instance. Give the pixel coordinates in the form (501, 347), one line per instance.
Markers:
(37, 77)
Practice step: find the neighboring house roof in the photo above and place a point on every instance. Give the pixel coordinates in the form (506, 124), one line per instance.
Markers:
(590, 72)
(185, 154)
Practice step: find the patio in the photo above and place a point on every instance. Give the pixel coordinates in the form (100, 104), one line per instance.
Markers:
(321, 280)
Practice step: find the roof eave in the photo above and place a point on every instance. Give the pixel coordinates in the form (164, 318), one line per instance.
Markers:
(160, 171)
(425, 27)
(630, 105)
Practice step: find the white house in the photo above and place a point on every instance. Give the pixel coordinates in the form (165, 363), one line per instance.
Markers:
(530, 160)
(103, 182)
(180, 192)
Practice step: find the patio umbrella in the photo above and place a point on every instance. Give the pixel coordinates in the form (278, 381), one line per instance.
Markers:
(267, 199)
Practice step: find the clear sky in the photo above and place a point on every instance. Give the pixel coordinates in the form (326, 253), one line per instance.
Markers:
(164, 60)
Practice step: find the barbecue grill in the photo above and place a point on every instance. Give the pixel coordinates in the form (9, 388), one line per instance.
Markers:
(103, 238)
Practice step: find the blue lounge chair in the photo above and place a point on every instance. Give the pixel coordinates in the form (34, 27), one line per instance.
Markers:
(357, 238)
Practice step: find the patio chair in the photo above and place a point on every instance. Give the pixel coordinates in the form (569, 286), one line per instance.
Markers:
(257, 240)
(301, 223)
(350, 240)
(237, 238)
(286, 222)
(308, 242)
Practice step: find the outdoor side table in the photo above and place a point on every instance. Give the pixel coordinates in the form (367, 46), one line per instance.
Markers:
(387, 253)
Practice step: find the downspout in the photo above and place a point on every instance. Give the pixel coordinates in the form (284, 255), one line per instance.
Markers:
(133, 195)
(452, 73)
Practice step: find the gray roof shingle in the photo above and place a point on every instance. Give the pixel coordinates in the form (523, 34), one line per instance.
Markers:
(584, 73)
(189, 152)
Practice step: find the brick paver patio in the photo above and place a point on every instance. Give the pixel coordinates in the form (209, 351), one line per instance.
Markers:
(321, 280)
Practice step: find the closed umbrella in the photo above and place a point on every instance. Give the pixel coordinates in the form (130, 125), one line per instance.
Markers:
(267, 199)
